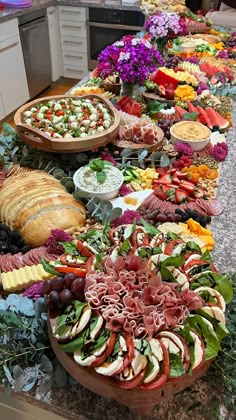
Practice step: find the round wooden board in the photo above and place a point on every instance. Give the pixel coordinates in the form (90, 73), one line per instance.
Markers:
(124, 144)
(139, 400)
(39, 140)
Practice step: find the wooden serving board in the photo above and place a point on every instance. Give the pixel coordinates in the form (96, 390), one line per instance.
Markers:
(148, 96)
(39, 140)
(140, 401)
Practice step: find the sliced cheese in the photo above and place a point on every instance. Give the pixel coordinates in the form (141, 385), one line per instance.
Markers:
(23, 277)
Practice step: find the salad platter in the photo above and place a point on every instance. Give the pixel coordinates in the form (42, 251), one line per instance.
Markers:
(67, 124)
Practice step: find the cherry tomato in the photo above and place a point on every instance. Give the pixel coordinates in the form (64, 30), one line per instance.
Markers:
(110, 346)
(60, 113)
(171, 245)
(79, 272)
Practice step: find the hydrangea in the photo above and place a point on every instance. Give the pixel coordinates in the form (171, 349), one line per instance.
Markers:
(34, 291)
(165, 25)
(57, 235)
(184, 149)
(132, 58)
(128, 217)
(220, 151)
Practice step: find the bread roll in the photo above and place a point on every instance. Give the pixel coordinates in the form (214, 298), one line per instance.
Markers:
(35, 203)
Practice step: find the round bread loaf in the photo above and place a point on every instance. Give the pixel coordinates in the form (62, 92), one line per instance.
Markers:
(36, 203)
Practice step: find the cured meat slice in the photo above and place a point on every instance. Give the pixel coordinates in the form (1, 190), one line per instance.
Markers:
(18, 260)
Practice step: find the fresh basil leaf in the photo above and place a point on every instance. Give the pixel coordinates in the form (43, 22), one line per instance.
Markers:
(224, 286)
(98, 260)
(166, 275)
(176, 366)
(202, 327)
(48, 267)
(101, 177)
(69, 248)
(150, 229)
(185, 333)
(192, 246)
(220, 329)
(97, 164)
(96, 345)
(171, 235)
(206, 256)
(149, 367)
(61, 330)
(175, 261)
(124, 248)
(74, 345)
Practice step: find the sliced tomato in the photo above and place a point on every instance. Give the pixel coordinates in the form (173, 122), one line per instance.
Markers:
(188, 254)
(110, 346)
(199, 262)
(171, 245)
(130, 352)
(157, 383)
(60, 113)
(133, 382)
(90, 264)
(84, 251)
(135, 240)
(79, 272)
(63, 259)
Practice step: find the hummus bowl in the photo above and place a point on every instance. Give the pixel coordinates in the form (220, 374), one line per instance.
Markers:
(193, 133)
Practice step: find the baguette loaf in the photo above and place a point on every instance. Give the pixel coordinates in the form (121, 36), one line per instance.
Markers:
(35, 203)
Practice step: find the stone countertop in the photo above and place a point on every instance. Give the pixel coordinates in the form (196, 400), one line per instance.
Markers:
(74, 402)
(11, 13)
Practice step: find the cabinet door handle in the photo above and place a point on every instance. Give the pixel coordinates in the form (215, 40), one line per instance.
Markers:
(70, 12)
(75, 71)
(72, 27)
(73, 42)
(9, 47)
(72, 56)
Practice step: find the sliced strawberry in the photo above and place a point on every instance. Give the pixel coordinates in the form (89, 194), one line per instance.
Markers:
(161, 171)
(199, 192)
(160, 194)
(176, 180)
(187, 186)
(181, 175)
(181, 196)
(172, 171)
(165, 179)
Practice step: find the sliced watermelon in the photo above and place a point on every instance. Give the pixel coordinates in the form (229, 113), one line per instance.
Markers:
(123, 101)
(216, 118)
(126, 108)
(192, 108)
(179, 112)
(136, 109)
(161, 78)
(204, 117)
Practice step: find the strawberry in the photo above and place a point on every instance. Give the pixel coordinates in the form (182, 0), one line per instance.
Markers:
(176, 179)
(199, 192)
(159, 193)
(181, 196)
(165, 179)
(172, 171)
(161, 171)
(187, 186)
(181, 175)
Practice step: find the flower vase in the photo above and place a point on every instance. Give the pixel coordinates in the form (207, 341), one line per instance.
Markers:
(161, 46)
(132, 90)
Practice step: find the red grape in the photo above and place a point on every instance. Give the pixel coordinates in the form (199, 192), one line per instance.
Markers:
(57, 283)
(46, 287)
(69, 278)
(161, 218)
(66, 296)
(78, 286)
(53, 298)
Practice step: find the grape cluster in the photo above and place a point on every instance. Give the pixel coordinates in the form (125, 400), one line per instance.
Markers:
(155, 217)
(172, 62)
(193, 214)
(11, 241)
(164, 124)
(231, 42)
(62, 290)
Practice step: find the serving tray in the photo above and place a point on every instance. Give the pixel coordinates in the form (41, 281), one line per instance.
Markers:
(139, 400)
(39, 140)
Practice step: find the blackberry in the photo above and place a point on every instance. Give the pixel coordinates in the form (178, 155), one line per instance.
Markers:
(4, 228)
(13, 249)
(14, 236)
(20, 243)
(3, 247)
(3, 235)
(25, 249)
(180, 212)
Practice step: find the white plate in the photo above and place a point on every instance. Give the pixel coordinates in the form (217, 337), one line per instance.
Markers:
(140, 195)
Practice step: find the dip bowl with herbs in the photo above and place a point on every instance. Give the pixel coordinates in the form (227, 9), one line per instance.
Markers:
(99, 178)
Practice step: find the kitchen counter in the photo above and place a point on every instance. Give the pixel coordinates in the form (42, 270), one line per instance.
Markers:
(11, 13)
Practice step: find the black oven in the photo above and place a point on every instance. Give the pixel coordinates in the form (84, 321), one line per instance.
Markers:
(106, 26)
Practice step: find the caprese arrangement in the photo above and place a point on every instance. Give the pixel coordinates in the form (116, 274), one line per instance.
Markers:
(152, 308)
(69, 117)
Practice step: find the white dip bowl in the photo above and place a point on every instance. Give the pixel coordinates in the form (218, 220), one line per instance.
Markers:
(85, 181)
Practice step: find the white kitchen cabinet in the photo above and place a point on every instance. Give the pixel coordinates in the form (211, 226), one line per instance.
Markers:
(72, 21)
(2, 111)
(55, 42)
(13, 82)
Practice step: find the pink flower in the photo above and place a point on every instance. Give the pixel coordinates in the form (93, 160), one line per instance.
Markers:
(57, 235)
(128, 217)
(184, 149)
(220, 151)
(124, 190)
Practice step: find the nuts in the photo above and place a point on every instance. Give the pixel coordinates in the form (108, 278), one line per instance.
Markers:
(209, 186)
(206, 160)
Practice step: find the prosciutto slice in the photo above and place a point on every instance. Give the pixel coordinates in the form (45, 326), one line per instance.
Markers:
(131, 298)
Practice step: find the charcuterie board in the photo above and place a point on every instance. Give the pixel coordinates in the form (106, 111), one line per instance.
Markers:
(140, 401)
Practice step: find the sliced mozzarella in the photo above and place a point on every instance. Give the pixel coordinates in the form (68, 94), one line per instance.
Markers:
(156, 348)
(84, 362)
(100, 351)
(154, 372)
(97, 327)
(43, 108)
(40, 116)
(138, 363)
(153, 262)
(123, 345)
(180, 277)
(28, 113)
(173, 342)
(178, 249)
(219, 298)
(83, 321)
(208, 323)
(199, 350)
(215, 312)
(57, 107)
(193, 257)
(109, 369)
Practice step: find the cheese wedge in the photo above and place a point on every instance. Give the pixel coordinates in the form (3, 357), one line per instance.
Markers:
(23, 277)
